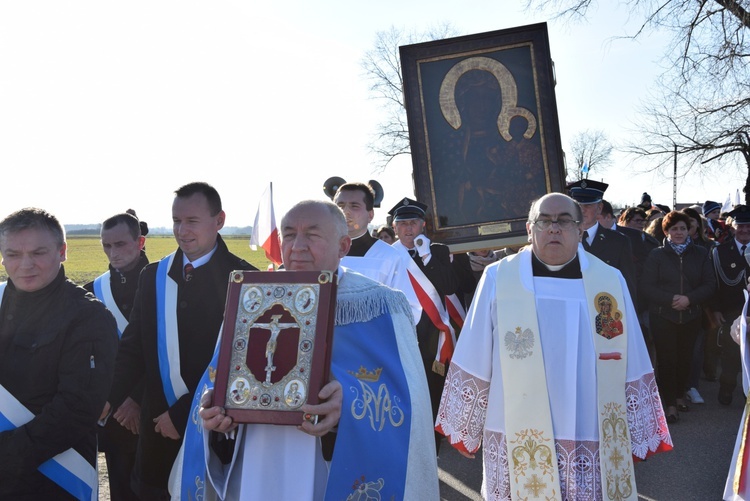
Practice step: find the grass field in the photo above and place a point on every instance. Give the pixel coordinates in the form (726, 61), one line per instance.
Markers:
(86, 260)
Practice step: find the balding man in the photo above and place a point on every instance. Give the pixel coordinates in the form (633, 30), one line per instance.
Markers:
(551, 371)
(383, 451)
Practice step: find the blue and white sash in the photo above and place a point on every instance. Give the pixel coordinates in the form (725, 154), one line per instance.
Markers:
(167, 340)
(375, 413)
(103, 292)
(68, 469)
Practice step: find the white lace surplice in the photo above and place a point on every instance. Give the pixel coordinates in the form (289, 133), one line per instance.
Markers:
(472, 409)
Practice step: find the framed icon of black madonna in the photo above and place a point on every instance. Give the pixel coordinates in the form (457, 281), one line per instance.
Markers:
(484, 133)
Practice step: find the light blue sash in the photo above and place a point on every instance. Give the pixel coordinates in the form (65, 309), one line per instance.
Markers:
(68, 469)
(103, 292)
(375, 413)
(193, 474)
(167, 340)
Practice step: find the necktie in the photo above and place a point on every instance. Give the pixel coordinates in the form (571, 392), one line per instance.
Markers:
(743, 249)
(585, 240)
(413, 252)
(189, 271)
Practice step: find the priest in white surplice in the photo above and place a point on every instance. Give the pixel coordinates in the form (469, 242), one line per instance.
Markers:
(368, 255)
(378, 401)
(551, 375)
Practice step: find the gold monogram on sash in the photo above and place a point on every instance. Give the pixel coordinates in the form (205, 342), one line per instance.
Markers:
(375, 401)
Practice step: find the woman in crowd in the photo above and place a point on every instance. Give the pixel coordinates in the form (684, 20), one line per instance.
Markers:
(386, 234)
(654, 229)
(633, 217)
(697, 229)
(677, 279)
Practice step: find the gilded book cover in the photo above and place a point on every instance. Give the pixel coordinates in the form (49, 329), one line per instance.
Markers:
(275, 344)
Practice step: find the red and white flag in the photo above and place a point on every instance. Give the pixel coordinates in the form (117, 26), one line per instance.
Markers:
(265, 233)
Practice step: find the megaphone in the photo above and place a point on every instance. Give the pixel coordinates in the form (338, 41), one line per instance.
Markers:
(331, 186)
(378, 189)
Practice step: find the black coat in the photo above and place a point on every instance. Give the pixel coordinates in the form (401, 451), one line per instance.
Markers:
(665, 274)
(57, 353)
(641, 243)
(123, 285)
(614, 249)
(200, 311)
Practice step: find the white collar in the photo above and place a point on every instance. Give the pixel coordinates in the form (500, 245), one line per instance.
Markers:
(201, 260)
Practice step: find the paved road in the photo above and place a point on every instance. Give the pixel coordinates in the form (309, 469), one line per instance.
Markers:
(695, 470)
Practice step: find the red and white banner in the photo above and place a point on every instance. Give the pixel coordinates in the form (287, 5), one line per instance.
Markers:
(265, 233)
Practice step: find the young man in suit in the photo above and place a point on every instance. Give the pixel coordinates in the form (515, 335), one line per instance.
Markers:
(172, 332)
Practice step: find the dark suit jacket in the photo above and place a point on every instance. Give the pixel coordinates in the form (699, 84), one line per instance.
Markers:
(200, 310)
(614, 249)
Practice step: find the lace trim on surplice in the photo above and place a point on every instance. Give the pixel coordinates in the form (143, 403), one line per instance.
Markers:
(648, 427)
(577, 462)
(463, 408)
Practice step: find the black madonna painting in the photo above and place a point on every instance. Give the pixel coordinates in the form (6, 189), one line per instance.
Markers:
(483, 130)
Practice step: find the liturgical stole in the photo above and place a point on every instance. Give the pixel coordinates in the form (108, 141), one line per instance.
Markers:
(530, 440)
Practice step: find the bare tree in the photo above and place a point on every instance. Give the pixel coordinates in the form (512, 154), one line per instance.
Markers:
(590, 148)
(382, 65)
(706, 136)
(702, 111)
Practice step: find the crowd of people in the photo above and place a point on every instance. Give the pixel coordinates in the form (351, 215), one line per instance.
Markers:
(449, 347)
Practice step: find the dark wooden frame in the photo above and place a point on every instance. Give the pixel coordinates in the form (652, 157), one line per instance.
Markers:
(479, 182)
(305, 351)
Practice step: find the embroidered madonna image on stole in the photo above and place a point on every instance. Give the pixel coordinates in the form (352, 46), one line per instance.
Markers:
(603, 294)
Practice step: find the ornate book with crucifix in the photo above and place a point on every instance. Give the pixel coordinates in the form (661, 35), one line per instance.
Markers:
(275, 350)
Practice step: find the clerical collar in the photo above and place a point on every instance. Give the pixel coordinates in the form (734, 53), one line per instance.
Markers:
(571, 269)
(361, 245)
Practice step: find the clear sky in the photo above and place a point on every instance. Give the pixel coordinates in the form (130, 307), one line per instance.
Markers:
(110, 105)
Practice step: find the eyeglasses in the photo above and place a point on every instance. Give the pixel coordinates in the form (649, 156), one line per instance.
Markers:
(564, 223)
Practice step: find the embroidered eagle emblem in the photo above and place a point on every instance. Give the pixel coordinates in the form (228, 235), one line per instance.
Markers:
(519, 344)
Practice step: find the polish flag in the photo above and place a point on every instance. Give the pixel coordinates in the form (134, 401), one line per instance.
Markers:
(265, 232)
